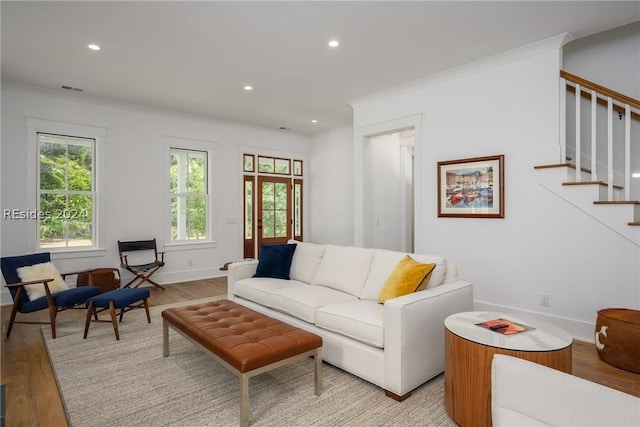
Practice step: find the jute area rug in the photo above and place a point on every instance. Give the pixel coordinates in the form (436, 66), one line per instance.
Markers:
(105, 382)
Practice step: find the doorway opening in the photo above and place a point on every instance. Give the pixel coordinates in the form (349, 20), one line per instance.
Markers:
(389, 164)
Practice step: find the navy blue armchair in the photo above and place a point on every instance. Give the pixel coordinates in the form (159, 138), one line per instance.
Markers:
(54, 302)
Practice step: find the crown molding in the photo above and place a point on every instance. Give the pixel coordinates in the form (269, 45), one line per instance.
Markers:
(64, 95)
(546, 45)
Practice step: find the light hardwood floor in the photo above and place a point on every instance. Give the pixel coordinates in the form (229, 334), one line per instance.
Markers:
(32, 396)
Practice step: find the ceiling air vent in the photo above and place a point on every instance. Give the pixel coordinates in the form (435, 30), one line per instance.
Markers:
(75, 89)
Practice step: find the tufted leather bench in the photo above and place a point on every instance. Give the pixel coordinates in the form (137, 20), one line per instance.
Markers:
(242, 340)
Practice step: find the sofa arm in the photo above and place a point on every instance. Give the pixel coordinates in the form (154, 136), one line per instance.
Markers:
(238, 271)
(414, 333)
(524, 393)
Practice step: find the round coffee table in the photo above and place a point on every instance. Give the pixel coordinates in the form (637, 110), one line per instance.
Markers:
(469, 350)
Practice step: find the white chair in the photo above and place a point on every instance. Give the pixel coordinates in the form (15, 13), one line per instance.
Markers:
(524, 393)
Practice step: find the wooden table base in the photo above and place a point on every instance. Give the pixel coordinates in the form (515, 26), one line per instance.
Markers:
(467, 376)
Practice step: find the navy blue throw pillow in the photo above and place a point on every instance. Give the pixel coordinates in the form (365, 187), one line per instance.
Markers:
(275, 261)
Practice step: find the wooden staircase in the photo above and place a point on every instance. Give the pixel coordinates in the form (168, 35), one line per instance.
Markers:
(614, 205)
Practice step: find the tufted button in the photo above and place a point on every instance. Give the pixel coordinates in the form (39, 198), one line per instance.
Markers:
(242, 337)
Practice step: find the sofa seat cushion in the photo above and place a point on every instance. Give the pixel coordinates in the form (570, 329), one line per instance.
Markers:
(344, 269)
(385, 261)
(258, 289)
(301, 301)
(360, 320)
(306, 260)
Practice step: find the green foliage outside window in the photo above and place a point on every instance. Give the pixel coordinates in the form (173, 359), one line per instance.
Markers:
(274, 209)
(65, 191)
(188, 186)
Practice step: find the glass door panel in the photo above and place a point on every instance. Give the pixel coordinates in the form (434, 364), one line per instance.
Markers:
(274, 210)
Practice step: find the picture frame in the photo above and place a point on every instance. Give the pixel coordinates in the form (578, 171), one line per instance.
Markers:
(471, 188)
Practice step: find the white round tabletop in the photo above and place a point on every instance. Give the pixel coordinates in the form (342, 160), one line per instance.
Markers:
(543, 337)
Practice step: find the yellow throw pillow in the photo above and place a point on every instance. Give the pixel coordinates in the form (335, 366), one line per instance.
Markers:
(407, 277)
(46, 270)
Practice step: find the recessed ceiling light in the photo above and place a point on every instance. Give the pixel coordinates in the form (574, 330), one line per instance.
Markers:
(93, 46)
(314, 121)
(248, 87)
(334, 43)
(635, 175)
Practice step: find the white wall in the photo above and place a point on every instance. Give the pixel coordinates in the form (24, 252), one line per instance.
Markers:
(509, 105)
(331, 188)
(610, 58)
(135, 186)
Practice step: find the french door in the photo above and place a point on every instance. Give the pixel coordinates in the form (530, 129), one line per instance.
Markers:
(272, 202)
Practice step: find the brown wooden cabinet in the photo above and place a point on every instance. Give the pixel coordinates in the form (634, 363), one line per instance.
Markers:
(107, 279)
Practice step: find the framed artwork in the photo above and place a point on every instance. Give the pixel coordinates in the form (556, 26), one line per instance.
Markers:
(471, 188)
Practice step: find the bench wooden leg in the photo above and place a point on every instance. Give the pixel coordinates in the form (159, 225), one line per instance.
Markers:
(244, 400)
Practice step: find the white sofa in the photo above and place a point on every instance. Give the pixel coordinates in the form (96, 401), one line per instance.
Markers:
(333, 292)
(524, 393)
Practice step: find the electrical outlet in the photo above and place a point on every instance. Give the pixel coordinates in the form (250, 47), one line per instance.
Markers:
(544, 300)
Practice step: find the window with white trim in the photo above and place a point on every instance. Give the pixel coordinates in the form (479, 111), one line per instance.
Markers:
(66, 187)
(190, 194)
(66, 191)
(188, 182)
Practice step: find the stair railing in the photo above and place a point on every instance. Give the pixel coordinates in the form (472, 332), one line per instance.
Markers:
(626, 107)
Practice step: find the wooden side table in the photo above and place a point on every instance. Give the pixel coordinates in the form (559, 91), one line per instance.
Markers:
(469, 350)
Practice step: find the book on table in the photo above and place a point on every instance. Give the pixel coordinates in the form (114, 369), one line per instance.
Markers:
(505, 326)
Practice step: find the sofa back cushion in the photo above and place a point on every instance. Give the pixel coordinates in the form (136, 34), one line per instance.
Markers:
(344, 269)
(306, 260)
(383, 263)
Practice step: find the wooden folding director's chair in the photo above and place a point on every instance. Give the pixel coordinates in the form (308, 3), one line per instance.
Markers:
(143, 272)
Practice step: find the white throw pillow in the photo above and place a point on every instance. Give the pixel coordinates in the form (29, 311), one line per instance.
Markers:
(46, 270)
(306, 260)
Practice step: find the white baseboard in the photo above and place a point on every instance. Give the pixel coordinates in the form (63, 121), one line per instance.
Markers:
(579, 330)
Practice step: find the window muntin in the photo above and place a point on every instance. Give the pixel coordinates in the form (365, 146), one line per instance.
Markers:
(66, 191)
(273, 165)
(188, 184)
